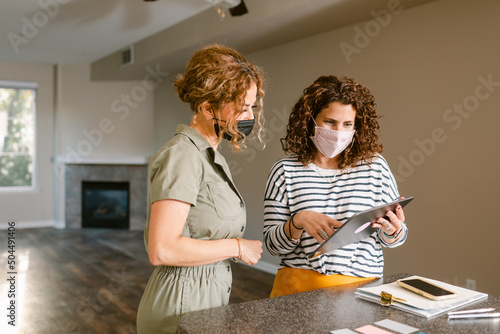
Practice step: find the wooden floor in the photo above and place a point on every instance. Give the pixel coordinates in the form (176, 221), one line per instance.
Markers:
(91, 280)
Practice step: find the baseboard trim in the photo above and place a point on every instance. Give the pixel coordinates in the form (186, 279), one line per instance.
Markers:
(29, 224)
(59, 224)
(264, 266)
(267, 267)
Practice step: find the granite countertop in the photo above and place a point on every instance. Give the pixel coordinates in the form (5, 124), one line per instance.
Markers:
(321, 311)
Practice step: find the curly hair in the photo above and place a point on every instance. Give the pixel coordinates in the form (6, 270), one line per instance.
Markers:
(318, 96)
(219, 75)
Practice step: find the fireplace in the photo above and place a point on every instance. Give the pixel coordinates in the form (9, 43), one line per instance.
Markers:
(105, 204)
(136, 175)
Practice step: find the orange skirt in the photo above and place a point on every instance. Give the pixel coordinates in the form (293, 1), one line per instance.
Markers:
(292, 280)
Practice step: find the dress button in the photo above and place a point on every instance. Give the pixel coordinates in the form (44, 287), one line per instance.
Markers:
(228, 268)
(241, 204)
(228, 290)
(242, 228)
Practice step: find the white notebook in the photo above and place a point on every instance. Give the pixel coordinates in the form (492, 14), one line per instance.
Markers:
(420, 305)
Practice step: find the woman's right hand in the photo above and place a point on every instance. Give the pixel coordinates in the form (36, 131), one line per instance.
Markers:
(316, 224)
(251, 251)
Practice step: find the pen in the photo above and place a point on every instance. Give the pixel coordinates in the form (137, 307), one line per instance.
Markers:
(400, 299)
(474, 315)
(479, 310)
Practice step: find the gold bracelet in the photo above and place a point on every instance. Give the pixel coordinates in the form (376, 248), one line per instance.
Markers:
(240, 251)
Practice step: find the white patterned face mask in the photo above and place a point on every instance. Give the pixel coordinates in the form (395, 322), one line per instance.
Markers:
(331, 142)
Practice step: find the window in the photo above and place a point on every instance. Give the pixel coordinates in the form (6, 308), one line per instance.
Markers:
(17, 135)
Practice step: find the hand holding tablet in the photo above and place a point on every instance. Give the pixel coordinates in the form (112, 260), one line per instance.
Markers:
(358, 227)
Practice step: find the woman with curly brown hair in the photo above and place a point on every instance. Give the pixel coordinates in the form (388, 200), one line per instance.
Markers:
(334, 170)
(196, 216)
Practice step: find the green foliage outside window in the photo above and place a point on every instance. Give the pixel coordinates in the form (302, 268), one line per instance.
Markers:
(17, 137)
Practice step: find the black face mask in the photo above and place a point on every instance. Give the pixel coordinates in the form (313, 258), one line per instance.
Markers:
(245, 127)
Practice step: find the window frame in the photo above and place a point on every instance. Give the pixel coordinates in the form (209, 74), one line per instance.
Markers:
(15, 84)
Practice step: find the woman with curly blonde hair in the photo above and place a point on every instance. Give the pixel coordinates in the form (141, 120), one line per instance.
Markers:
(196, 216)
(334, 169)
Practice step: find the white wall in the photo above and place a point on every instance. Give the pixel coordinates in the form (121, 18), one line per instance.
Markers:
(95, 122)
(103, 120)
(169, 111)
(33, 208)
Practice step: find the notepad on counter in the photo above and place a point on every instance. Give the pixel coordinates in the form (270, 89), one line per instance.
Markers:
(413, 303)
(386, 326)
(396, 326)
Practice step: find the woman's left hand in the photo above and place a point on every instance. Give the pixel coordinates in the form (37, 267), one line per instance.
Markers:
(393, 224)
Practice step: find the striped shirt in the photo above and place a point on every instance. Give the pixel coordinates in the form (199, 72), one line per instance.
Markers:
(292, 188)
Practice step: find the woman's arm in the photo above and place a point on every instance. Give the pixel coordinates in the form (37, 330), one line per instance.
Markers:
(166, 245)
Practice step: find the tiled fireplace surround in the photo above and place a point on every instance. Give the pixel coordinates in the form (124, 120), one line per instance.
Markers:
(136, 175)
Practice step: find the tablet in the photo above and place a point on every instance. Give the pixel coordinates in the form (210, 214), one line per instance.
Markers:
(357, 228)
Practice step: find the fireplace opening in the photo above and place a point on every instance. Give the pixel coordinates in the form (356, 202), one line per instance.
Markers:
(105, 204)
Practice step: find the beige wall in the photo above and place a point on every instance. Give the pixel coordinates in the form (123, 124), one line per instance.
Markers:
(33, 208)
(427, 66)
(422, 66)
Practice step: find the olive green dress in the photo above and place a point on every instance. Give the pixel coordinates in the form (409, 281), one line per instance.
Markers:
(188, 169)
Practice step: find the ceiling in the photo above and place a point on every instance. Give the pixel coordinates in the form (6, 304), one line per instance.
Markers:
(162, 32)
(82, 31)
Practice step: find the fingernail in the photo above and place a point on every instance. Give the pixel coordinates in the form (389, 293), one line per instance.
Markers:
(398, 207)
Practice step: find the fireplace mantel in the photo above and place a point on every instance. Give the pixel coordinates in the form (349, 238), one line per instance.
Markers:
(106, 160)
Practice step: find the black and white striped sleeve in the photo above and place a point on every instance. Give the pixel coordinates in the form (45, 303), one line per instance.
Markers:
(276, 212)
